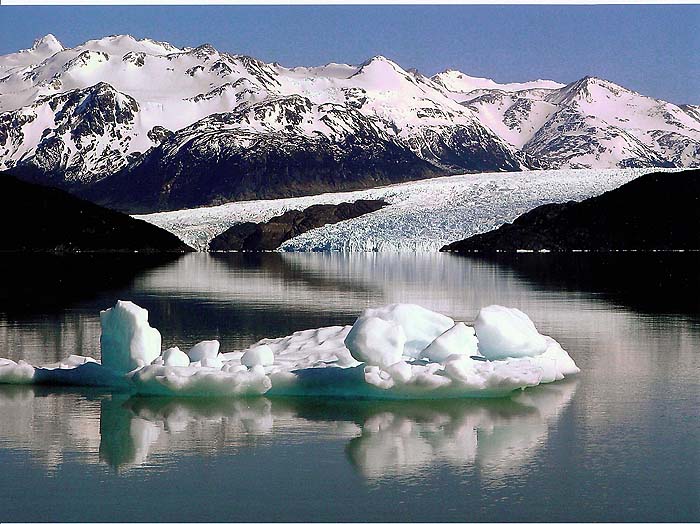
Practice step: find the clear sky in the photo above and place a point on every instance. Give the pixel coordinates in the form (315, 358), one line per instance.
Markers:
(652, 49)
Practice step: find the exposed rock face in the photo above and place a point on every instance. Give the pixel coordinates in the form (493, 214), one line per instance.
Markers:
(655, 211)
(88, 139)
(38, 218)
(143, 126)
(270, 235)
(212, 162)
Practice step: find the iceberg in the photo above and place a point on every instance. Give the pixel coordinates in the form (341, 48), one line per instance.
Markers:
(460, 339)
(507, 332)
(419, 325)
(258, 356)
(376, 341)
(175, 357)
(16, 372)
(207, 349)
(399, 351)
(127, 340)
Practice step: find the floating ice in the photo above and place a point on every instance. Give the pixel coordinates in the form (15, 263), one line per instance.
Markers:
(376, 341)
(207, 349)
(199, 381)
(421, 326)
(458, 340)
(127, 341)
(258, 356)
(16, 372)
(507, 332)
(175, 357)
(401, 351)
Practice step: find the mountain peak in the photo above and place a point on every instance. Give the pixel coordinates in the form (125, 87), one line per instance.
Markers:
(382, 73)
(203, 50)
(588, 89)
(47, 43)
(377, 59)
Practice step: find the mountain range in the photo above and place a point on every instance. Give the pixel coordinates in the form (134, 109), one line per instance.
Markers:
(142, 125)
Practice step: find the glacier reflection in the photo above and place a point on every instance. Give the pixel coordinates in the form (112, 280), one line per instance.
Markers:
(381, 439)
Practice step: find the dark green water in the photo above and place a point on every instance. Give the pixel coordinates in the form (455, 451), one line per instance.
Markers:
(621, 442)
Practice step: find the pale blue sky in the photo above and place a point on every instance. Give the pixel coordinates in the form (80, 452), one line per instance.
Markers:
(651, 49)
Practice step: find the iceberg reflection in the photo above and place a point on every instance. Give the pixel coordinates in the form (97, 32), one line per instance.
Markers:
(497, 436)
(383, 439)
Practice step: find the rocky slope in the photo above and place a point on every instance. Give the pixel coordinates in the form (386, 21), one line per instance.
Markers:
(658, 211)
(221, 158)
(268, 236)
(144, 125)
(38, 218)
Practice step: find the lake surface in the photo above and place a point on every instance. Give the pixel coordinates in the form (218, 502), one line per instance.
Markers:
(620, 442)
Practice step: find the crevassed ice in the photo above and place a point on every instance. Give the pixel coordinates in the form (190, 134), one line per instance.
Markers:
(422, 215)
(399, 351)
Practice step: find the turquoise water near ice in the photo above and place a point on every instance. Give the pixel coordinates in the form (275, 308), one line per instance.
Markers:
(620, 442)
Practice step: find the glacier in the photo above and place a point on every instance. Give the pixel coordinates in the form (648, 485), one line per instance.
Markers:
(398, 351)
(421, 216)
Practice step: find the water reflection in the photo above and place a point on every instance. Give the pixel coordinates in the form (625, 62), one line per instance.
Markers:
(499, 437)
(383, 439)
(52, 426)
(241, 298)
(629, 324)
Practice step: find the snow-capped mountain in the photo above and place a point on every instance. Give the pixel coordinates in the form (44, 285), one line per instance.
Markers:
(592, 123)
(148, 125)
(457, 83)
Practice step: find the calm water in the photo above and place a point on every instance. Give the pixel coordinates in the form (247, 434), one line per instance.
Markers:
(621, 442)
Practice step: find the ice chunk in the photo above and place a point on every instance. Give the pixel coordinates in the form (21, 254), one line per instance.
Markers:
(555, 362)
(378, 378)
(198, 381)
(73, 370)
(308, 348)
(89, 373)
(127, 341)
(204, 349)
(258, 356)
(507, 332)
(458, 340)
(401, 372)
(16, 372)
(216, 362)
(492, 376)
(376, 341)
(420, 326)
(175, 357)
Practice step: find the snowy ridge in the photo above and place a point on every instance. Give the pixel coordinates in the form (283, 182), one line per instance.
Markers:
(421, 216)
(176, 88)
(457, 82)
(591, 123)
(453, 121)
